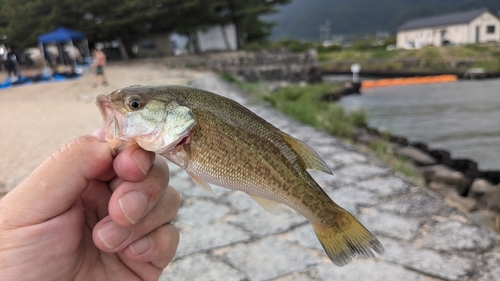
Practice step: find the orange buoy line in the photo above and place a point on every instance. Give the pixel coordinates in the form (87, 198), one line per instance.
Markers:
(367, 84)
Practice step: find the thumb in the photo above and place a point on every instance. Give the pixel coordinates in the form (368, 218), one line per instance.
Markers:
(58, 182)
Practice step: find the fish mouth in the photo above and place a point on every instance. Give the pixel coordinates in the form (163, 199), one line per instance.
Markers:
(114, 121)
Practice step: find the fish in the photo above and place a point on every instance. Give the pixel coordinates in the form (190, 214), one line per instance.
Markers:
(219, 141)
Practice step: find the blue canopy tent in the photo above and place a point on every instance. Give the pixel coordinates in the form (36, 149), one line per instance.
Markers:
(63, 35)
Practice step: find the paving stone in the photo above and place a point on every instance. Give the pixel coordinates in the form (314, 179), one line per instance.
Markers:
(201, 268)
(295, 276)
(305, 236)
(262, 223)
(391, 225)
(386, 186)
(349, 157)
(491, 272)
(362, 171)
(414, 205)
(433, 263)
(367, 270)
(242, 202)
(187, 188)
(350, 198)
(268, 258)
(454, 235)
(209, 236)
(201, 213)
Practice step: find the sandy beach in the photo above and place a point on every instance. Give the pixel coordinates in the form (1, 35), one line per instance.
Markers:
(39, 118)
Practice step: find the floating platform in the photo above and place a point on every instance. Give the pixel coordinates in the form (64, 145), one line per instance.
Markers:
(367, 84)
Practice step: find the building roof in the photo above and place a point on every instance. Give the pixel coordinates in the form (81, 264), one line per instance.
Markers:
(448, 19)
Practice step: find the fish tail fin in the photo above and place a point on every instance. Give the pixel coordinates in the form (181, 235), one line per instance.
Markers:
(346, 238)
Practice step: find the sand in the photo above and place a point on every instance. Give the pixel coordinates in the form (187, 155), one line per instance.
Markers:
(37, 119)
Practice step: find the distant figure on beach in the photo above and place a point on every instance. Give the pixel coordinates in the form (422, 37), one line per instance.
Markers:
(10, 63)
(99, 63)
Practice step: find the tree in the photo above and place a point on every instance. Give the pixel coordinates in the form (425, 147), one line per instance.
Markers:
(25, 20)
(245, 16)
(128, 20)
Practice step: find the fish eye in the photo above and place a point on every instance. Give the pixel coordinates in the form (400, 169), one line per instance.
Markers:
(134, 103)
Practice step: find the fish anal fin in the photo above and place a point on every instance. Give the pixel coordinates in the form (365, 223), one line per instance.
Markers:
(202, 184)
(309, 158)
(345, 240)
(270, 206)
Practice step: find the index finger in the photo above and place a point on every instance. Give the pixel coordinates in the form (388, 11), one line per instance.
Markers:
(134, 163)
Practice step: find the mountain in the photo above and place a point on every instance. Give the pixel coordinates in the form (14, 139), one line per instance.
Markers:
(301, 19)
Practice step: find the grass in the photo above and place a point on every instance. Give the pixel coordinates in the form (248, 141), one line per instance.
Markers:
(457, 58)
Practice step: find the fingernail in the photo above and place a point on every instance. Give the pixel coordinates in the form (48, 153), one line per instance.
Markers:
(99, 134)
(143, 160)
(112, 235)
(140, 246)
(133, 205)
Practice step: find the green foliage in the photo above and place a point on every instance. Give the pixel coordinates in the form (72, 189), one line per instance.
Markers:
(24, 20)
(447, 58)
(303, 103)
(383, 151)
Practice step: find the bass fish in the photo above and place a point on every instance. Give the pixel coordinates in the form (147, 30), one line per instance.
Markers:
(218, 141)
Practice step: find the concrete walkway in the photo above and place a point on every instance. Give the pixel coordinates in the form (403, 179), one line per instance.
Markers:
(230, 237)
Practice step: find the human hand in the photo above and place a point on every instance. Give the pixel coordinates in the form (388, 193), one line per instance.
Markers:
(84, 215)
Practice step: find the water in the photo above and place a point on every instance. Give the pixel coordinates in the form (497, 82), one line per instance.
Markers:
(462, 117)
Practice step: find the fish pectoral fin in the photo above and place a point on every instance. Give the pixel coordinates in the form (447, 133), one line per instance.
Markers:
(308, 157)
(270, 206)
(202, 184)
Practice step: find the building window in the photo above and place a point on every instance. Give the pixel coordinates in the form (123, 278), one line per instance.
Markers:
(148, 44)
(490, 29)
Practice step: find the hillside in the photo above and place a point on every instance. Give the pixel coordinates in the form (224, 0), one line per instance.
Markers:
(301, 18)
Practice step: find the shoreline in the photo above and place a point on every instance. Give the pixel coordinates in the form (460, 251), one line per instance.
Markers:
(404, 74)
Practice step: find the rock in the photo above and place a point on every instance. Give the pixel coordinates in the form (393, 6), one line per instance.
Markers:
(488, 218)
(443, 174)
(418, 157)
(478, 188)
(443, 189)
(464, 204)
(491, 199)
(362, 136)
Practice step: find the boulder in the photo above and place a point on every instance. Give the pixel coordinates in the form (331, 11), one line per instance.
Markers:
(444, 190)
(464, 204)
(491, 199)
(488, 218)
(418, 157)
(478, 188)
(442, 174)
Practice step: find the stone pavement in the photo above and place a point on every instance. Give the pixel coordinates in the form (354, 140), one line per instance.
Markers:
(230, 237)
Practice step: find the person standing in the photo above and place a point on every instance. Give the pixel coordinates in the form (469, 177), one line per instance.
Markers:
(100, 63)
(11, 64)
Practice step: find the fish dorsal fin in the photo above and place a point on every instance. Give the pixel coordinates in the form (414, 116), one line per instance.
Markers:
(270, 206)
(202, 184)
(309, 158)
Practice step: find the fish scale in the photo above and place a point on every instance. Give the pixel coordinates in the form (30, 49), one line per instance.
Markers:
(218, 141)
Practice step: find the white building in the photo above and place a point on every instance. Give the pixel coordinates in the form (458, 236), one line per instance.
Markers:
(216, 38)
(475, 26)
